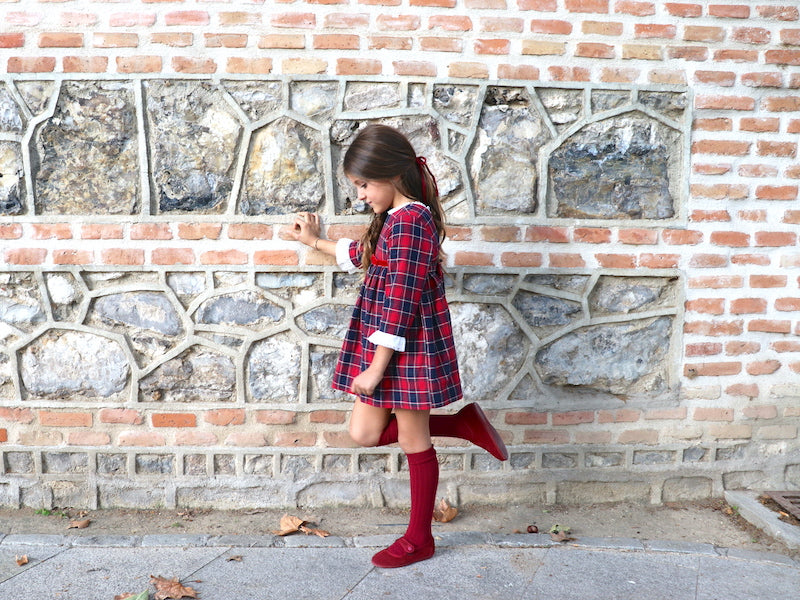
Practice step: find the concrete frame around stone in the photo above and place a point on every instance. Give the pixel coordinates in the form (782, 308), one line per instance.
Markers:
(466, 215)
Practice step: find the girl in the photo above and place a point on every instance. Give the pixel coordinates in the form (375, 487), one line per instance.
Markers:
(398, 356)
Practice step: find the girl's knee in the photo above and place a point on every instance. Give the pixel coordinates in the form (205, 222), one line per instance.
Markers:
(363, 436)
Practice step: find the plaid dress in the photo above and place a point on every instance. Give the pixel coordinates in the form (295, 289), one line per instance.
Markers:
(401, 305)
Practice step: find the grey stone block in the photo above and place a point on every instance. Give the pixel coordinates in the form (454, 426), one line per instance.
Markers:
(177, 541)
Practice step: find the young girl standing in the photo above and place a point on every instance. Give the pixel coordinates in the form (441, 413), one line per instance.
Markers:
(398, 356)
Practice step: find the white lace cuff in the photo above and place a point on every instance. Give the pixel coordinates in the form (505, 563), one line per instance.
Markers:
(396, 343)
(343, 255)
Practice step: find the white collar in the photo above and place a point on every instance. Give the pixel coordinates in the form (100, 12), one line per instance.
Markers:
(392, 210)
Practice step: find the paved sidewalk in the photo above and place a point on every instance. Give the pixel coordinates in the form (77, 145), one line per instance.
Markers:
(467, 566)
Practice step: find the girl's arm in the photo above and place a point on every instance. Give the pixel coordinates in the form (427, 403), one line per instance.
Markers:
(308, 231)
(366, 382)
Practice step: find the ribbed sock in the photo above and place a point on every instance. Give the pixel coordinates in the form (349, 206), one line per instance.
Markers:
(440, 425)
(423, 469)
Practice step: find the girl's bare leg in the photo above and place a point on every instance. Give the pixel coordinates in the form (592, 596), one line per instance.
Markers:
(367, 422)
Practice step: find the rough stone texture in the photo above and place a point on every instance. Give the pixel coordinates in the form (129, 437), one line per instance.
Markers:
(65, 294)
(143, 310)
(244, 309)
(89, 147)
(65, 364)
(371, 96)
(197, 375)
(546, 314)
(315, 99)
(567, 283)
(191, 117)
(489, 284)
(617, 359)
(12, 182)
(11, 118)
(322, 366)
(285, 172)
(564, 107)
(456, 103)
(273, 370)
(620, 168)
(257, 99)
(503, 159)
(330, 320)
(491, 348)
(21, 305)
(622, 295)
(687, 489)
(36, 94)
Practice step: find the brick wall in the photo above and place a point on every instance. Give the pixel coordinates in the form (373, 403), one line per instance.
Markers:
(735, 247)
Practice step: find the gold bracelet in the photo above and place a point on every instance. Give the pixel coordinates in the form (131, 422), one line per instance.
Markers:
(315, 244)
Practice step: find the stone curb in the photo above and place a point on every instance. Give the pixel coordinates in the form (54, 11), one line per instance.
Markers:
(455, 539)
(762, 517)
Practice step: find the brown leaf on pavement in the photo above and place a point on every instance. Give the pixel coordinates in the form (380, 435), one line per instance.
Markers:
(171, 588)
(314, 531)
(443, 512)
(21, 560)
(235, 558)
(289, 524)
(79, 524)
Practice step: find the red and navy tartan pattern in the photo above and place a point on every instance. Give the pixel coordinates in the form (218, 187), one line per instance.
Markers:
(403, 295)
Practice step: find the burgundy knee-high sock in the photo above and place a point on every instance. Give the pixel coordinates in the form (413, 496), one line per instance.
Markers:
(423, 470)
(440, 425)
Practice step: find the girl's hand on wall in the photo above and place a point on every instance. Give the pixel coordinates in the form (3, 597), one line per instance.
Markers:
(306, 228)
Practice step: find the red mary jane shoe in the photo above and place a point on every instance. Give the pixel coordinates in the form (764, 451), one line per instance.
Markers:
(402, 553)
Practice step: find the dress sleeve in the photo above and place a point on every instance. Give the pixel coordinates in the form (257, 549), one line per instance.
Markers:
(412, 248)
(348, 255)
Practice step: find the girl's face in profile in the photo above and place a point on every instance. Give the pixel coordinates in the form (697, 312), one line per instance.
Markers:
(379, 195)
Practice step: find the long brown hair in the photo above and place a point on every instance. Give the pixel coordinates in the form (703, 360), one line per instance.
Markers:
(382, 153)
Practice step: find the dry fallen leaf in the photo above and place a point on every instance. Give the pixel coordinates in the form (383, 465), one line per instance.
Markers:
(171, 588)
(313, 530)
(235, 558)
(289, 524)
(21, 560)
(443, 512)
(79, 524)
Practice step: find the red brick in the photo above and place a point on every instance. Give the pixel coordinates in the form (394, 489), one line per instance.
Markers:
(386, 42)
(440, 44)
(473, 258)
(706, 169)
(780, 13)
(765, 367)
(762, 80)
(735, 239)
(725, 103)
(450, 23)
(709, 306)
(683, 9)
(587, 6)
(716, 282)
(275, 417)
(141, 438)
(115, 40)
(150, 231)
(551, 26)
(789, 216)
(174, 420)
(187, 17)
(392, 22)
(623, 415)
(92, 64)
(714, 369)
(716, 124)
(737, 11)
(26, 64)
(64, 419)
(612, 28)
(225, 40)
(704, 349)
(139, 64)
(282, 41)
(738, 348)
(573, 417)
(528, 72)
(767, 281)
(790, 37)
(249, 231)
(692, 53)
(616, 261)
(188, 64)
(192, 437)
(756, 216)
(296, 439)
(521, 259)
(786, 346)
(775, 238)
(707, 261)
(700, 33)
(659, 261)
(132, 19)
(776, 192)
(10, 231)
(562, 260)
(619, 74)
(743, 306)
(88, 438)
(666, 414)
(492, 47)
(223, 257)
(225, 417)
(569, 73)
(760, 412)
(726, 147)
(72, 257)
(237, 18)
(358, 66)
(559, 235)
(787, 304)
(594, 50)
(331, 417)
(12, 40)
(651, 30)
(199, 231)
(25, 256)
(173, 256)
(275, 257)
(770, 326)
(722, 78)
(638, 236)
(750, 259)
(540, 5)
(173, 40)
(485, 4)
(719, 191)
(526, 418)
(782, 57)
(57, 231)
(639, 436)
(749, 390)
(681, 237)
(61, 40)
(23, 19)
(120, 415)
(639, 9)
(764, 124)
(713, 414)
(787, 149)
(536, 436)
(592, 235)
(741, 56)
